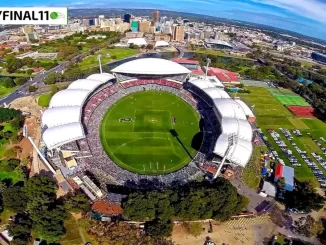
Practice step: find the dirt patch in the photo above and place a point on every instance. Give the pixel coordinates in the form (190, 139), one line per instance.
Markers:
(221, 234)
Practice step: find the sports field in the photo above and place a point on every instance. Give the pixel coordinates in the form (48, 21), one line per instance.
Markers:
(150, 132)
(287, 97)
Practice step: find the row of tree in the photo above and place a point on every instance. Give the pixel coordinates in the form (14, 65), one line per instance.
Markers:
(218, 201)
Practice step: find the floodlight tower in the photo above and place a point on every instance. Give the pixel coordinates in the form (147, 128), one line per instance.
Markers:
(232, 141)
(99, 62)
(208, 60)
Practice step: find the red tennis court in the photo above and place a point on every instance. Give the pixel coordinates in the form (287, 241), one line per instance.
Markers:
(302, 111)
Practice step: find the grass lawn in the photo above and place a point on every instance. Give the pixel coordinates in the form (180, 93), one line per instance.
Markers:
(135, 132)
(5, 215)
(265, 104)
(272, 115)
(107, 56)
(44, 100)
(5, 91)
(218, 53)
(14, 175)
(252, 172)
(72, 236)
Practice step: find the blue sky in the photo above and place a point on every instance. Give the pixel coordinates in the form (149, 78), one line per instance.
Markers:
(303, 16)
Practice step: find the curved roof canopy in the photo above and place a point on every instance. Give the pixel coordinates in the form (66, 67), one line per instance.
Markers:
(86, 84)
(229, 108)
(215, 93)
(239, 153)
(201, 83)
(240, 127)
(69, 97)
(248, 112)
(151, 66)
(57, 116)
(103, 77)
(57, 136)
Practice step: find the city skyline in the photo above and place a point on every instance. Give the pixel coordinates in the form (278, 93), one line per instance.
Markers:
(302, 16)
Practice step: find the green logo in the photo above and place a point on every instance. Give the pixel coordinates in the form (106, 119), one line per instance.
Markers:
(56, 15)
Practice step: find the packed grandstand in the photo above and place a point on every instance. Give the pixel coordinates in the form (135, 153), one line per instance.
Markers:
(72, 121)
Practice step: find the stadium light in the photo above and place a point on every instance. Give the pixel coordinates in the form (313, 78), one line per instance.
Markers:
(208, 60)
(99, 62)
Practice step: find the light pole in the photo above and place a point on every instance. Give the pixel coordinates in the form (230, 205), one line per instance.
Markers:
(208, 60)
(99, 62)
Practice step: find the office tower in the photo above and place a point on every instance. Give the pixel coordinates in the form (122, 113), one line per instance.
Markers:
(144, 26)
(156, 16)
(178, 33)
(126, 18)
(134, 26)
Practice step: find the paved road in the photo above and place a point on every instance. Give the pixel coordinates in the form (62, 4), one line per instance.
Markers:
(38, 80)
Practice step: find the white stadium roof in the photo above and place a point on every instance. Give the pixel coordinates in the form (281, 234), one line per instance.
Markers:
(239, 153)
(57, 116)
(57, 136)
(201, 83)
(229, 108)
(215, 93)
(103, 77)
(161, 44)
(151, 66)
(240, 127)
(248, 112)
(86, 84)
(137, 41)
(62, 121)
(69, 97)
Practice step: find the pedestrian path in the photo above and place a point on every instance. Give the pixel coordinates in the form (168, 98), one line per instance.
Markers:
(242, 222)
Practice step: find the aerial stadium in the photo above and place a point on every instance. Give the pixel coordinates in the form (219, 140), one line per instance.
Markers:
(148, 122)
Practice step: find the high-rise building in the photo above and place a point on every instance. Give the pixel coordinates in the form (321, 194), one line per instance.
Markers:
(178, 33)
(96, 22)
(134, 25)
(118, 21)
(28, 29)
(85, 22)
(126, 18)
(156, 16)
(144, 26)
(101, 18)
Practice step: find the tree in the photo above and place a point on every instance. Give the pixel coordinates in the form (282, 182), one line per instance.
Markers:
(20, 81)
(304, 198)
(32, 89)
(20, 229)
(78, 203)
(7, 82)
(149, 46)
(193, 228)
(40, 190)
(48, 221)
(281, 183)
(15, 199)
(159, 228)
(308, 226)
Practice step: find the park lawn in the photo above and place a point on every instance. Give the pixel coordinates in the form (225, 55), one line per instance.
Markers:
(264, 103)
(218, 53)
(15, 176)
(5, 215)
(151, 132)
(72, 237)
(252, 172)
(107, 54)
(298, 123)
(44, 100)
(5, 91)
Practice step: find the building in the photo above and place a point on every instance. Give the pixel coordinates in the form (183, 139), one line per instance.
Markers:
(161, 44)
(178, 33)
(287, 173)
(218, 44)
(225, 76)
(192, 65)
(126, 18)
(134, 34)
(144, 26)
(134, 25)
(137, 41)
(156, 16)
(28, 29)
(162, 37)
(318, 57)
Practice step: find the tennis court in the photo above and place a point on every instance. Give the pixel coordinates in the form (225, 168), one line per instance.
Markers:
(287, 97)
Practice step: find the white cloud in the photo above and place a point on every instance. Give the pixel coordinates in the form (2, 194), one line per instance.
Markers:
(312, 9)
